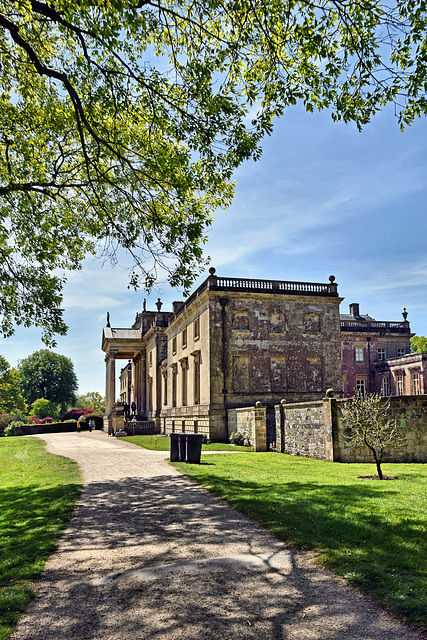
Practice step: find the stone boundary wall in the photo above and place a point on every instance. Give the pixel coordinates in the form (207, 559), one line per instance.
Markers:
(47, 427)
(253, 422)
(410, 413)
(316, 430)
(305, 429)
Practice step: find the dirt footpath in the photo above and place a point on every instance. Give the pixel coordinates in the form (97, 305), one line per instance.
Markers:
(149, 555)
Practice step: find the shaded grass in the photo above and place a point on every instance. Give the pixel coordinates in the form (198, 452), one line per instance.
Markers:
(162, 443)
(371, 532)
(38, 491)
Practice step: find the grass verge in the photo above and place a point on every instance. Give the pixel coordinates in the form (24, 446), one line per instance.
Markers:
(37, 494)
(162, 443)
(371, 532)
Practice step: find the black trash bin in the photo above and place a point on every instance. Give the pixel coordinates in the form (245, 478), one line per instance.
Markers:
(178, 447)
(193, 447)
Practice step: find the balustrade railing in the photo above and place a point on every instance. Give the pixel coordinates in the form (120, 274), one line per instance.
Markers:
(216, 283)
(375, 326)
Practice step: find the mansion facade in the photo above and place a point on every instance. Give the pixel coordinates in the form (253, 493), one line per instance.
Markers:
(236, 342)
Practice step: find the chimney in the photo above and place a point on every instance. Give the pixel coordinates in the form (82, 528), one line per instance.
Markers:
(176, 306)
(354, 310)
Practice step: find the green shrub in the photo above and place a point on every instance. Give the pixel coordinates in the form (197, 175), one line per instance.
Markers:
(240, 438)
(9, 430)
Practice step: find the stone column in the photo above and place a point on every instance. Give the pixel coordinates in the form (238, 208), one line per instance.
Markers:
(260, 435)
(140, 388)
(110, 381)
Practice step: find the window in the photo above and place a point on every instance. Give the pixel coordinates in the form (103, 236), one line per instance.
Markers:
(150, 359)
(184, 382)
(165, 387)
(197, 328)
(399, 385)
(382, 354)
(312, 323)
(385, 387)
(360, 387)
(277, 322)
(174, 345)
(359, 355)
(415, 384)
(174, 374)
(150, 394)
(184, 337)
(196, 380)
(401, 352)
(241, 321)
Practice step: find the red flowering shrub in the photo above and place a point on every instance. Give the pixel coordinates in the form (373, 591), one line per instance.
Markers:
(75, 414)
(4, 420)
(47, 419)
(34, 420)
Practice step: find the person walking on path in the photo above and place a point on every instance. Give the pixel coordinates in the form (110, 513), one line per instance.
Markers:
(149, 555)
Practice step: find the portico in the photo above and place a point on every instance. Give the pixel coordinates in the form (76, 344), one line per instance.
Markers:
(123, 344)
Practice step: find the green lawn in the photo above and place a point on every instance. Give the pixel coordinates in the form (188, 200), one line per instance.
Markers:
(37, 494)
(371, 532)
(162, 443)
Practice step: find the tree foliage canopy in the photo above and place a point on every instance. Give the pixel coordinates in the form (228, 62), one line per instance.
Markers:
(123, 120)
(92, 399)
(43, 408)
(48, 375)
(419, 344)
(10, 394)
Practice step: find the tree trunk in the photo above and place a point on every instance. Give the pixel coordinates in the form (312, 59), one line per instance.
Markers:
(380, 473)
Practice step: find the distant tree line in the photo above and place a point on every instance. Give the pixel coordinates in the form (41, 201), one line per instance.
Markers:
(42, 388)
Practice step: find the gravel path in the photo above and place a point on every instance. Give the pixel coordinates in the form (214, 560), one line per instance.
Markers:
(149, 555)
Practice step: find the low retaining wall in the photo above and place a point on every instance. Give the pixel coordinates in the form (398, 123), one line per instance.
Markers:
(251, 421)
(316, 430)
(140, 428)
(410, 413)
(305, 429)
(48, 427)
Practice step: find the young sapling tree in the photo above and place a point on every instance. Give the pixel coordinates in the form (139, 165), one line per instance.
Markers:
(369, 424)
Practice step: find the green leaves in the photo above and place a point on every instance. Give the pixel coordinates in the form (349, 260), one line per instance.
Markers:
(419, 344)
(122, 122)
(48, 375)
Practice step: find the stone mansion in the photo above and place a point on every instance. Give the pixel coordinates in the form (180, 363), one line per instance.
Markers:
(236, 342)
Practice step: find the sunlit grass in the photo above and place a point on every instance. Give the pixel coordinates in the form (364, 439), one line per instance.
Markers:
(371, 532)
(37, 493)
(162, 443)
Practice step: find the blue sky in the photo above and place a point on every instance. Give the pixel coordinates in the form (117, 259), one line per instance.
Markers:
(324, 199)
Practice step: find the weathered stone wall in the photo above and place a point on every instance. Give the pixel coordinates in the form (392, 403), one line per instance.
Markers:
(410, 413)
(316, 430)
(253, 422)
(242, 420)
(305, 429)
(273, 346)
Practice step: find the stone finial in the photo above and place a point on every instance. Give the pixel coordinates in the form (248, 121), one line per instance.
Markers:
(144, 306)
(283, 402)
(331, 279)
(330, 393)
(258, 404)
(159, 304)
(404, 313)
(108, 319)
(212, 271)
